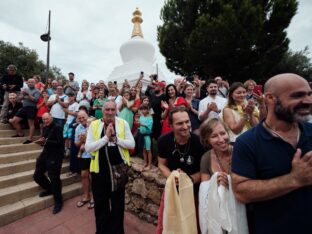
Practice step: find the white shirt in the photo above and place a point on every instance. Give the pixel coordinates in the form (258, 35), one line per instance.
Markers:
(56, 109)
(74, 107)
(84, 102)
(220, 101)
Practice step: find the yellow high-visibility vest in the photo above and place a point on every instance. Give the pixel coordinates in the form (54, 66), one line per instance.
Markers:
(96, 133)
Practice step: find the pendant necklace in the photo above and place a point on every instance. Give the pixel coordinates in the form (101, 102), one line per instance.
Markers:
(220, 164)
(182, 154)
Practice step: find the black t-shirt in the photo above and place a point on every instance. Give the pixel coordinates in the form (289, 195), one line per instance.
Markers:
(190, 163)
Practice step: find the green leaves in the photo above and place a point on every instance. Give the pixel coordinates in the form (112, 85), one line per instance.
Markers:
(237, 39)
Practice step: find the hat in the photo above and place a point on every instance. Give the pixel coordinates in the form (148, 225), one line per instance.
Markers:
(160, 84)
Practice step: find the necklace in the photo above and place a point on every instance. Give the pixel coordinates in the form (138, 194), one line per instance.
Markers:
(224, 168)
(183, 154)
(273, 132)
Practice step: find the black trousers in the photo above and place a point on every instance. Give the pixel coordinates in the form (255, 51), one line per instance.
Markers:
(53, 166)
(109, 206)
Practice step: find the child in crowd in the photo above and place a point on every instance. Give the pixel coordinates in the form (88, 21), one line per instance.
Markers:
(146, 101)
(42, 107)
(146, 124)
(71, 112)
(125, 109)
(98, 104)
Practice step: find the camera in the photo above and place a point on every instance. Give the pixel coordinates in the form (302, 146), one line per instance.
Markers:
(115, 82)
(142, 73)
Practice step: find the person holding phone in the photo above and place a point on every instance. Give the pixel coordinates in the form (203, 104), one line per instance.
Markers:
(255, 93)
(239, 115)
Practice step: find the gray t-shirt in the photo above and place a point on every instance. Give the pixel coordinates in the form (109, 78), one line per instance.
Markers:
(73, 84)
(33, 92)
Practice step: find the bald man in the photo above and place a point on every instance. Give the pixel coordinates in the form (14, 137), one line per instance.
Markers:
(272, 162)
(50, 160)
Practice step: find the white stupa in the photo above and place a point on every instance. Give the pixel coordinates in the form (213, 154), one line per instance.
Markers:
(137, 55)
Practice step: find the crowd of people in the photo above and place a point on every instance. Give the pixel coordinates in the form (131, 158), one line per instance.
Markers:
(238, 144)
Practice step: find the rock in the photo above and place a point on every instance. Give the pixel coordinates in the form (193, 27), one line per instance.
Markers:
(155, 195)
(139, 203)
(160, 180)
(138, 187)
(152, 209)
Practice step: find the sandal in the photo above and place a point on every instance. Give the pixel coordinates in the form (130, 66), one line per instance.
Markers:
(82, 203)
(91, 205)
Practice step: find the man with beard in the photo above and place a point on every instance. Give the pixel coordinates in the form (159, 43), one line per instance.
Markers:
(179, 150)
(212, 105)
(272, 162)
(73, 86)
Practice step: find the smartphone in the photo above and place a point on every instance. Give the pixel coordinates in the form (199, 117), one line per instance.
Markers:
(115, 82)
(258, 90)
(142, 73)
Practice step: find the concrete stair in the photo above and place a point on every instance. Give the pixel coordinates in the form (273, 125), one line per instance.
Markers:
(18, 192)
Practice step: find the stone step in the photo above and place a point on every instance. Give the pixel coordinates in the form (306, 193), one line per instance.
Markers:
(12, 212)
(14, 148)
(7, 159)
(9, 133)
(23, 177)
(5, 126)
(15, 140)
(16, 167)
(22, 191)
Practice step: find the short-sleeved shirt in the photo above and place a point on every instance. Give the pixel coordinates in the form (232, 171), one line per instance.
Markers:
(258, 155)
(33, 92)
(81, 130)
(74, 107)
(73, 84)
(57, 110)
(191, 162)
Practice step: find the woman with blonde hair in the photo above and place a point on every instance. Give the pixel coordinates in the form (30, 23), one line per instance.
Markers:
(216, 197)
(239, 115)
(84, 96)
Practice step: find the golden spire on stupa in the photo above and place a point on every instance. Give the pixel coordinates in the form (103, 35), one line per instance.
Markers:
(137, 20)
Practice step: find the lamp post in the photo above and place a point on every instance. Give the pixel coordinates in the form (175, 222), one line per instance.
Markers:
(47, 38)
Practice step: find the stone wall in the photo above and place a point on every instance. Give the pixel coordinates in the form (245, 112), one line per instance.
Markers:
(144, 191)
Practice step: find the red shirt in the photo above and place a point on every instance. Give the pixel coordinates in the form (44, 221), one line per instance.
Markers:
(43, 109)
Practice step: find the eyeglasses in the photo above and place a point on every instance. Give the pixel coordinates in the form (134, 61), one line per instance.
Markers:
(112, 109)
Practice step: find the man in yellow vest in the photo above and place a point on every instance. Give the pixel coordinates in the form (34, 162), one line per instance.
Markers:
(108, 141)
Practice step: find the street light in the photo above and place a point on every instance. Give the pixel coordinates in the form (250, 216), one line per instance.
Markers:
(47, 38)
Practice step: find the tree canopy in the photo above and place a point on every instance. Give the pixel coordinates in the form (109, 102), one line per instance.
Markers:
(26, 60)
(237, 39)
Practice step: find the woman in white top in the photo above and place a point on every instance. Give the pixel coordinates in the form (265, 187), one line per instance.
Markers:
(239, 115)
(84, 96)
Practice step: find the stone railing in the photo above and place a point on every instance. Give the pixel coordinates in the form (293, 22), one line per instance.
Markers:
(144, 191)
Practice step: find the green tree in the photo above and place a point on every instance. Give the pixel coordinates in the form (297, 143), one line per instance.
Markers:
(26, 60)
(237, 39)
(296, 62)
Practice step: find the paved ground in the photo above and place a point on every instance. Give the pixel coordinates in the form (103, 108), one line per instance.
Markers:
(70, 220)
